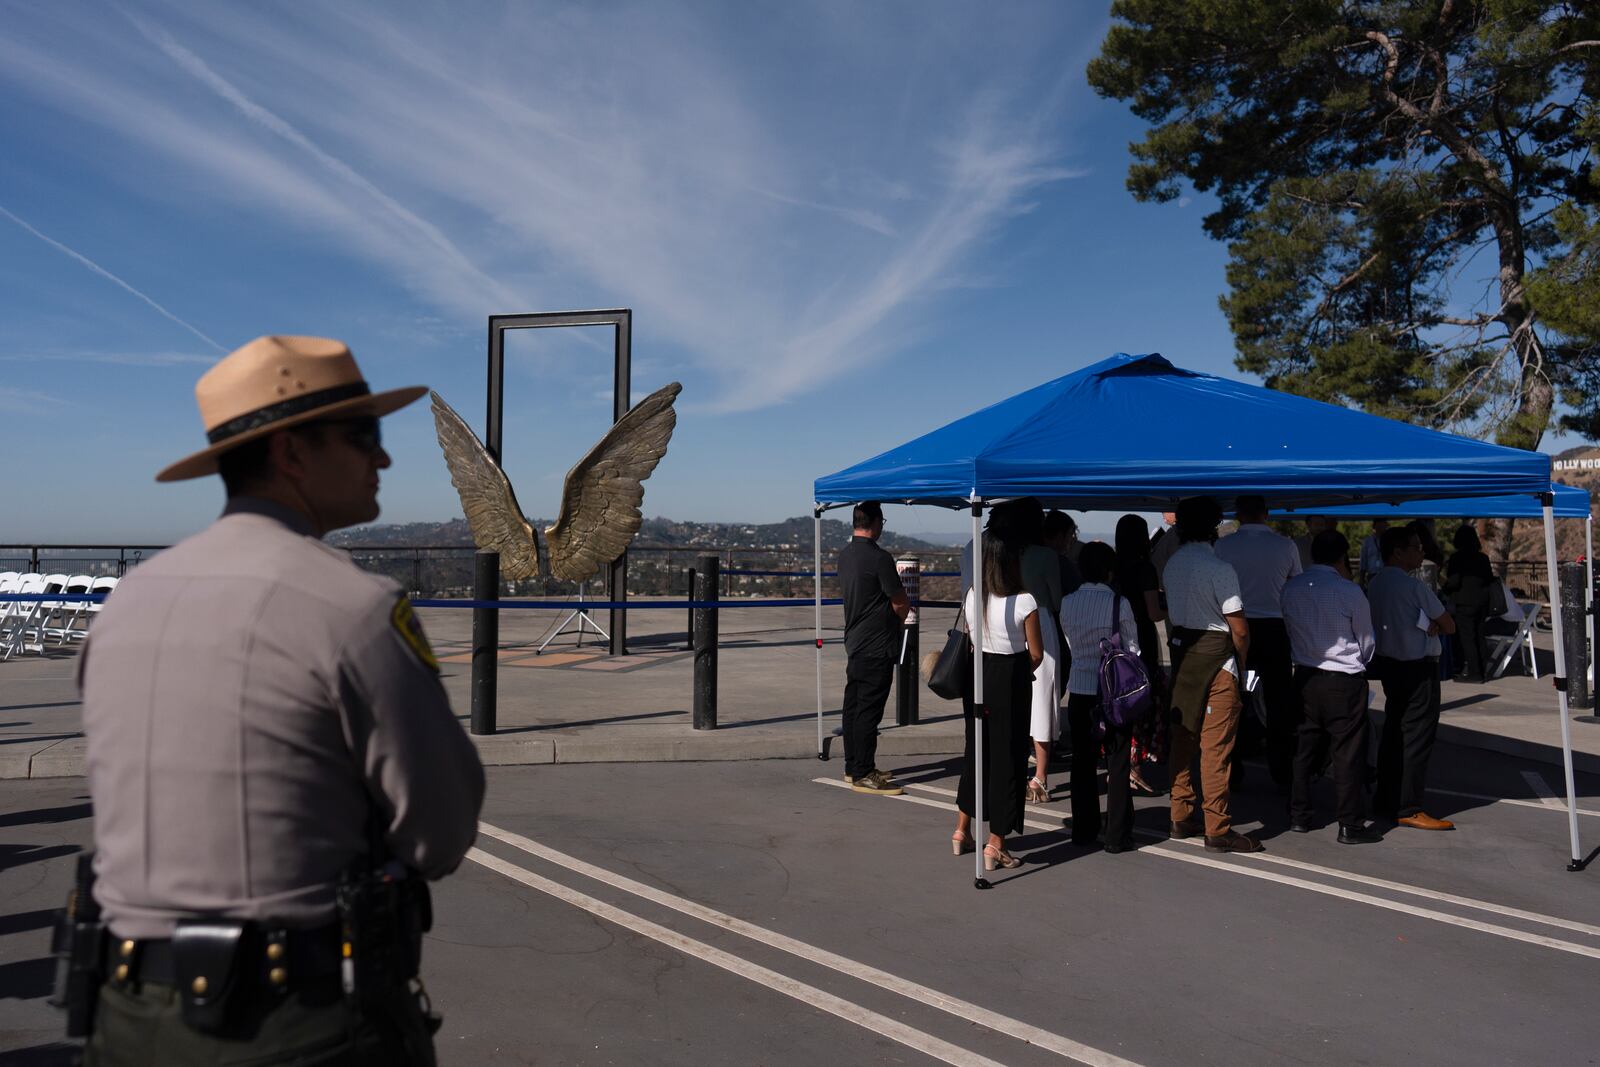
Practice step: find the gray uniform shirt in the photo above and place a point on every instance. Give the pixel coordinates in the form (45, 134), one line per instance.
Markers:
(249, 696)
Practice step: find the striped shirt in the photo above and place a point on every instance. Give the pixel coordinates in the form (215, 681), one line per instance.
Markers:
(1085, 619)
(1329, 621)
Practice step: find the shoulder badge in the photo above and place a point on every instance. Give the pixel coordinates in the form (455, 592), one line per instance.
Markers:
(405, 622)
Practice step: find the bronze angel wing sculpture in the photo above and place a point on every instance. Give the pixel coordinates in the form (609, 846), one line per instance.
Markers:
(599, 501)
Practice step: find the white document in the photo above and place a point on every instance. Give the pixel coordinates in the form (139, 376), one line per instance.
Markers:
(1423, 622)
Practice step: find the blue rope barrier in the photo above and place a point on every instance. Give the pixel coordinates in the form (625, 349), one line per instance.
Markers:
(70, 598)
(624, 605)
(830, 574)
(782, 574)
(628, 605)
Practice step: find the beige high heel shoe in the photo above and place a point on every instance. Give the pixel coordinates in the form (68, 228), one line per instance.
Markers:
(993, 857)
(960, 842)
(1038, 792)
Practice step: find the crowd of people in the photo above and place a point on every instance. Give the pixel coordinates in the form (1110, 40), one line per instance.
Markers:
(1273, 645)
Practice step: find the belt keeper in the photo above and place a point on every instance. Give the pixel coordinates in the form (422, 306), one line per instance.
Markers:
(126, 959)
(276, 957)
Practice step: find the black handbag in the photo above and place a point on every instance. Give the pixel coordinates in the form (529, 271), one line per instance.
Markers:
(952, 671)
(1497, 599)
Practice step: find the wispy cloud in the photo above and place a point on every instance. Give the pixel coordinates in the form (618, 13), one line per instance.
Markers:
(26, 401)
(772, 206)
(126, 359)
(110, 277)
(430, 237)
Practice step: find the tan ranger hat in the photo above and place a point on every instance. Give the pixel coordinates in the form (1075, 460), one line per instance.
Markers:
(273, 383)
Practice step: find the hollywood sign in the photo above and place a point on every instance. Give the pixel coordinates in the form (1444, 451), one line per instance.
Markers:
(1578, 464)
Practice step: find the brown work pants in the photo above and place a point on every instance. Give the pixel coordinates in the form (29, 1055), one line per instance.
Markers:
(1214, 744)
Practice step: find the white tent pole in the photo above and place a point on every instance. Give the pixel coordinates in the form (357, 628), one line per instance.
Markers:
(1588, 602)
(816, 530)
(980, 837)
(1558, 633)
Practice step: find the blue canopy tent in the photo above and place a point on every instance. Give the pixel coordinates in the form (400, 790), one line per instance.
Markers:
(1137, 433)
(1570, 502)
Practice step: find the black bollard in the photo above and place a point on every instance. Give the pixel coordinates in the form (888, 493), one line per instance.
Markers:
(485, 642)
(906, 682)
(707, 579)
(1573, 618)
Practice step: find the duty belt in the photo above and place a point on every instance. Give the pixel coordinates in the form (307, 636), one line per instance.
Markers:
(285, 959)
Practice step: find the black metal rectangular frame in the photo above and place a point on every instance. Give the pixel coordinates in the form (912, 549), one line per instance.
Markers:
(621, 321)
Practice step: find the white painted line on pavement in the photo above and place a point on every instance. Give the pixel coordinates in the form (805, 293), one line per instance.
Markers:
(817, 998)
(1539, 804)
(973, 1013)
(1348, 876)
(1390, 905)
(1542, 790)
(1333, 891)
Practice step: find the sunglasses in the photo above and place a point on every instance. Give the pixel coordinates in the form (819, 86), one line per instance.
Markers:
(363, 434)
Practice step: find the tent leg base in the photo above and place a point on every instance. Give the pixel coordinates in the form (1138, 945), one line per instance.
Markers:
(981, 883)
(1583, 864)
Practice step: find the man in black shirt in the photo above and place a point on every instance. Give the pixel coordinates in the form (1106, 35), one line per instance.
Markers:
(875, 606)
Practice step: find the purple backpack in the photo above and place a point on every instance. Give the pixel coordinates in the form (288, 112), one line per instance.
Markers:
(1126, 696)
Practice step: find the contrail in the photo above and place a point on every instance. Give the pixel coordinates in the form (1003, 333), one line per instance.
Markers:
(98, 269)
(193, 65)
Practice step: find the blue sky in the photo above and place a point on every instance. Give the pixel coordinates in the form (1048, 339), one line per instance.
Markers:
(839, 225)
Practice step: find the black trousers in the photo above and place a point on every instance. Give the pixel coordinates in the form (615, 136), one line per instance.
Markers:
(1008, 701)
(866, 690)
(1470, 620)
(1334, 713)
(1410, 723)
(1083, 711)
(1269, 657)
(142, 1025)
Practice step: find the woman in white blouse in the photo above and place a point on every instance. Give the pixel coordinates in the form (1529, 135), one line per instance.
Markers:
(1085, 619)
(1012, 648)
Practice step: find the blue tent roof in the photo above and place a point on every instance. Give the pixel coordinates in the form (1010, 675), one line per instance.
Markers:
(1570, 503)
(1137, 433)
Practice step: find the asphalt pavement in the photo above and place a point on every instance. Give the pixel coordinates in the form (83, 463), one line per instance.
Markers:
(758, 912)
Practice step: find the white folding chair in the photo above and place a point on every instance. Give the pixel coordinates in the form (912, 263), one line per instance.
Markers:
(1507, 645)
(74, 611)
(52, 613)
(10, 582)
(103, 584)
(24, 618)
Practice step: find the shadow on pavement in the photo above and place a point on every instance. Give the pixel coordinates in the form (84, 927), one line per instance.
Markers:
(26, 920)
(53, 1055)
(65, 813)
(27, 979)
(19, 855)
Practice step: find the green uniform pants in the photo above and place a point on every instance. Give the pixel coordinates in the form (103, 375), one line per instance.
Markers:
(142, 1026)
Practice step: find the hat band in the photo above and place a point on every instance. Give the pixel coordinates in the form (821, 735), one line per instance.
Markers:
(286, 409)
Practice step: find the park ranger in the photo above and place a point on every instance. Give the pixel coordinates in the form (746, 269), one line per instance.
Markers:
(274, 765)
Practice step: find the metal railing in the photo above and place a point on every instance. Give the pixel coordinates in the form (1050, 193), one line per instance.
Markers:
(653, 570)
(442, 571)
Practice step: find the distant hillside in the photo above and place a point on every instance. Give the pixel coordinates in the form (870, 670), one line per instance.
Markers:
(1527, 538)
(789, 535)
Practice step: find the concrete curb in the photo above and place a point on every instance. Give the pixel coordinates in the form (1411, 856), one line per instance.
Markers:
(65, 758)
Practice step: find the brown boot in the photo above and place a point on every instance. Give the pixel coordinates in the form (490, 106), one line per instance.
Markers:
(1182, 831)
(1233, 841)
